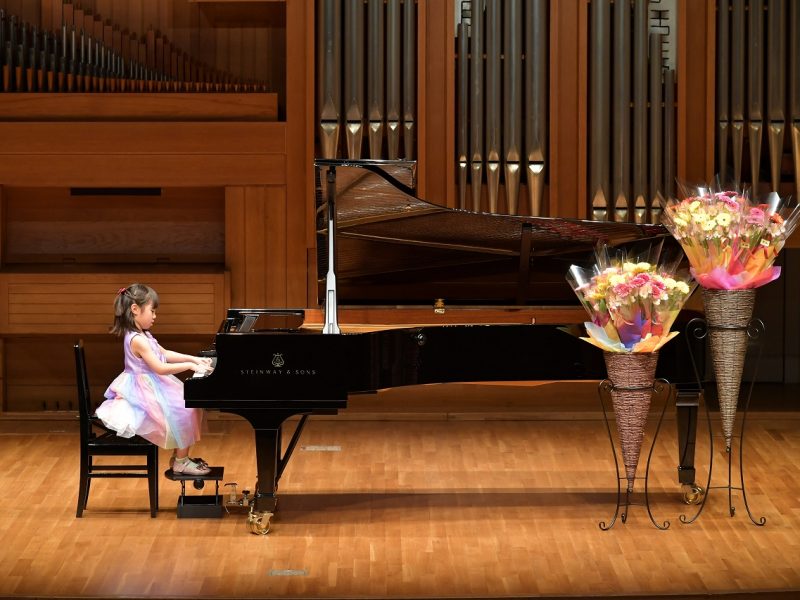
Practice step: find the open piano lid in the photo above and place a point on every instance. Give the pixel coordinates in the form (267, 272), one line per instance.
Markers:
(394, 248)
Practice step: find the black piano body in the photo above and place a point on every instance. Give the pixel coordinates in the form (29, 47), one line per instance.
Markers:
(270, 373)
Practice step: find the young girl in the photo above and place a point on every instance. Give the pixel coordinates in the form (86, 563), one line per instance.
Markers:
(146, 399)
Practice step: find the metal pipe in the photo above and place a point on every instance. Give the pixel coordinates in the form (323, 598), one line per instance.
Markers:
(621, 99)
(536, 56)
(328, 91)
(476, 102)
(755, 86)
(393, 78)
(375, 77)
(354, 76)
(462, 117)
(656, 136)
(794, 101)
(599, 112)
(723, 85)
(512, 97)
(737, 87)
(776, 85)
(494, 34)
(640, 145)
(409, 77)
(670, 140)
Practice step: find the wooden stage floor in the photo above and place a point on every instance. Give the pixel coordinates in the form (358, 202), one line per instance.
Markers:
(448, 506)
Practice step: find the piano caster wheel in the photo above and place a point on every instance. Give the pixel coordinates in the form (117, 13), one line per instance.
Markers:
(259, 522)
(693, 494)
(199, 484)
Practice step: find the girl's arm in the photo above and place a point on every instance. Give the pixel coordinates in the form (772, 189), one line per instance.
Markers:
(143, 350)
(177, 357)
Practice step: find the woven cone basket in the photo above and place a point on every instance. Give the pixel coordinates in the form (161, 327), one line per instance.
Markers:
(635, 370)
(728, 308)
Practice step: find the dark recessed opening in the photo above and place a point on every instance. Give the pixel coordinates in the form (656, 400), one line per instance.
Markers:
(117, 191)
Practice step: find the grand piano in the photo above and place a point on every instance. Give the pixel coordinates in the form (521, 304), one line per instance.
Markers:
(414, 293)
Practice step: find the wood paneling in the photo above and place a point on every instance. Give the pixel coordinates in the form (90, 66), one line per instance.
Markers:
(2, 225)
(300, 217)
(39, 107)
(3, 403)
(103, 170)
(180, 138)
(567, 102)
(255, 248)
(142, 154)
(81, 303)
(696, 91)
(48, 225)
(436, 99)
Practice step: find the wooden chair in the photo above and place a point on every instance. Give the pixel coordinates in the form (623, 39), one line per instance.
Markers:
(98, 440)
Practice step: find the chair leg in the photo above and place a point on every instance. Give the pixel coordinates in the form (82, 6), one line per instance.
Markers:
(152, 480)
(90, 463)
(83, 486)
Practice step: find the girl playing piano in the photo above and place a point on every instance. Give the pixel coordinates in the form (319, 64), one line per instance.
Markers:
(146, 399)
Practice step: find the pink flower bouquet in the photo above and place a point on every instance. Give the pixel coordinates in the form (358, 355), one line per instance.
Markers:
(730, 241)
(632, 301)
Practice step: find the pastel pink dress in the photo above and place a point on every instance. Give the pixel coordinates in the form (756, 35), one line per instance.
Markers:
(144, 403)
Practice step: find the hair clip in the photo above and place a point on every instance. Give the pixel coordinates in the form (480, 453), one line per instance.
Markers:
(121, 291)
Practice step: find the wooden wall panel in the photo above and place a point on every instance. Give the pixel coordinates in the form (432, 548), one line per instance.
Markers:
(436, 101)
(138, 107)
(3, 402)
(256, 245)
(300, 152)
(81, 303)
(696, 89)
(568, 76)
(142, 154)
(2, 226)
(49, 225)
(142, 138)
(102, 170)
(235, 255)
(276, 252)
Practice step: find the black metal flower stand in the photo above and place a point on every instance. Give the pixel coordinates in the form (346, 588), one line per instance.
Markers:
(699, 329)
(660, 387)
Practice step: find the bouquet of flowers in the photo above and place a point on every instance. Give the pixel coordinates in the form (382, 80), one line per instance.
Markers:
(731, 242)
(632, 300)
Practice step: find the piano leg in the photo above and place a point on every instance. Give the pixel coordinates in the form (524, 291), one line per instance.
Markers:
(687, 405)
(267, 457)
(269, 462)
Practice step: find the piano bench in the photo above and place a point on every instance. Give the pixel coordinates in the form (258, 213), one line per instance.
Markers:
(199, 507)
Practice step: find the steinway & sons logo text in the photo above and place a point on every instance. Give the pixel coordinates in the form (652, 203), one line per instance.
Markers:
(278, 369)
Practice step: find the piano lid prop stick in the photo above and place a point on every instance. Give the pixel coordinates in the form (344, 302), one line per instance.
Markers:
(331, 307)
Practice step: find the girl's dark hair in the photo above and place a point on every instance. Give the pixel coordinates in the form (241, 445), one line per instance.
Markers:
(137, 293)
